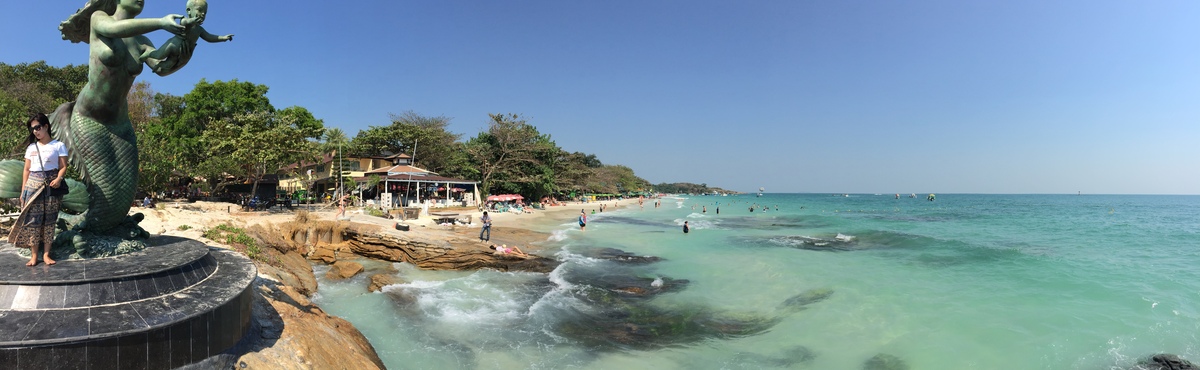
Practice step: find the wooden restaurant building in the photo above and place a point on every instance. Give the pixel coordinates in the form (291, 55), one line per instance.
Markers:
(401, 184)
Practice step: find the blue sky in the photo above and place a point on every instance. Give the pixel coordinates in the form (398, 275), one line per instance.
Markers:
(795, 96)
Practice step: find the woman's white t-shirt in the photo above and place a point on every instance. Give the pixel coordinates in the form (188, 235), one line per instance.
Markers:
(49, 155)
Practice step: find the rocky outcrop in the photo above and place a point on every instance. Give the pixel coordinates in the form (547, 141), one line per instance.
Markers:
(291, 269)
(1165, 362)
(438, 254)
(885, 361)
(378, 281)
(293, 333)
(288, 331)
(344, 270)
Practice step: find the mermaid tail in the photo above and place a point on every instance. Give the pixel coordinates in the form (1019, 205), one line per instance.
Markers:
(106, 156)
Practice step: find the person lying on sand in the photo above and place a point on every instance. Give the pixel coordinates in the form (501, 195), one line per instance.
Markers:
(506, 250)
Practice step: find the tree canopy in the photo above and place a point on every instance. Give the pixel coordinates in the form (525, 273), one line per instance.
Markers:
(229, 130)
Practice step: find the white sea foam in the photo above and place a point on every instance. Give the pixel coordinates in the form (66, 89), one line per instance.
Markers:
(558, 235)
(845, 238)
(657, 283)
(698, 224)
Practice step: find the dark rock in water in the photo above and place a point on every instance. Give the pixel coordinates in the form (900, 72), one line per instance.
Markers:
(633, 221)
(838, 243)
(799, 301)
(646, 286)
(885, 361)
(787, 359)
(1165, 361)
(617, 255)
(405, 299)
(643, 327)
(605, 289)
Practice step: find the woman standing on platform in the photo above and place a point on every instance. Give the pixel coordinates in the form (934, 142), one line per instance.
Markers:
(45, 165)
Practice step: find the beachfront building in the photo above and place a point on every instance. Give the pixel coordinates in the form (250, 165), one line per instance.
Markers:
(401, 183)
(319, 180)
(404, 185)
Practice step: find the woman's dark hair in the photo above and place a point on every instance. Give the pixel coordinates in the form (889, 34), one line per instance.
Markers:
(41, 119)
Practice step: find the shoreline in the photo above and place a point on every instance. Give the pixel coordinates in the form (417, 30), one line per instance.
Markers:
(190, 219)
(290, 330)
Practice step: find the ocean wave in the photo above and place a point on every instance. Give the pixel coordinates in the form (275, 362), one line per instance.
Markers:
(698, 224)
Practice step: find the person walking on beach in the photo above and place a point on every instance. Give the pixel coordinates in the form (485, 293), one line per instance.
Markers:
(487, 227)
(582, 220)
(45, 165)
(341, 208)
(685, 227)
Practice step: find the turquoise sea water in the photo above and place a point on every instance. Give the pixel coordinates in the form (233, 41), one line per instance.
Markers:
(964, 282)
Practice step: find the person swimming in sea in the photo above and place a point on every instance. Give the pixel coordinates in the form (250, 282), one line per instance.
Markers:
(685, 227)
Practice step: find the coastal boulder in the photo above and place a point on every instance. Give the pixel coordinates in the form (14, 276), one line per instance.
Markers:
(291, 269)
(324, 253)
(799, 301)
(435, 254)
(293, 333)
(885, 361)
(343, 270)
(378, 281)
(1165, 361)
(620, 256)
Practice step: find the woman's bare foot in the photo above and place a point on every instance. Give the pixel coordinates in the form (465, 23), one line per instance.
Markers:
(48, 260)
(32, 261)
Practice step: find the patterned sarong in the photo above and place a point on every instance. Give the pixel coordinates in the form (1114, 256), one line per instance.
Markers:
(39, 213)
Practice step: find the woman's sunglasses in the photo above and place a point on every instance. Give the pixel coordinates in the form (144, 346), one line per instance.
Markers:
(36, 127)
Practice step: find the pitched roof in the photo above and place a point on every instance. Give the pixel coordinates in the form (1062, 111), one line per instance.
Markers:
(326, 158)
(400, 169)
(424, 178)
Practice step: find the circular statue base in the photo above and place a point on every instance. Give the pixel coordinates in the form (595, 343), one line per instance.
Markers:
(175, 303)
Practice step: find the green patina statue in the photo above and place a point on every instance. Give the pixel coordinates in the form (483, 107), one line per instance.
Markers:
(96, 127)
(176, 52)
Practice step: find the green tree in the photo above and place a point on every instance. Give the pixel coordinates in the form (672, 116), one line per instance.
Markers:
(510, 154)
(29, 88)
(436, 148)
(572, 170)
(12, 121)
(42, 87)
(334, 139)
(155, 165)
(186, 119)
(253, 145)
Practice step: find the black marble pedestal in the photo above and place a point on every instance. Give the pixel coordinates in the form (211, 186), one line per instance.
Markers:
(173, 304)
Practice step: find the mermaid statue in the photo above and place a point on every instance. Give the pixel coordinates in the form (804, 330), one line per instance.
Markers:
(95, 220)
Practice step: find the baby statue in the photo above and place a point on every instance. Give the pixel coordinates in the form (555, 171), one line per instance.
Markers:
(176, 52)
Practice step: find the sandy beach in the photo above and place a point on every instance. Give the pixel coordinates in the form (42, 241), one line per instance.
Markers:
(524, 229)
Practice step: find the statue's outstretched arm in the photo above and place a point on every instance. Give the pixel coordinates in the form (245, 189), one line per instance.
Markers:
(214, 38)
(105, 25)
